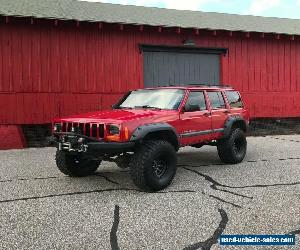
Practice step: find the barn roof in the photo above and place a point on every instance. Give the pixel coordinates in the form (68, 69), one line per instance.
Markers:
(114, 13)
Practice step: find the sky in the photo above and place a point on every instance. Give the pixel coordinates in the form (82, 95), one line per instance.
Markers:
(270, 8)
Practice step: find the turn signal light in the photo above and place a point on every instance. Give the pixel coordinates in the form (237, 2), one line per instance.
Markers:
(126, 133)
(113, 138)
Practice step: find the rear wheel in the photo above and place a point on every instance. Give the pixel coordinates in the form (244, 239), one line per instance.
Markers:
(154, 165)
(74, 165)
(123, 161)
(233, 149)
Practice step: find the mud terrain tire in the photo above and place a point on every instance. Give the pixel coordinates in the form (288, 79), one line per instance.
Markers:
(154, 165)
(232, 150)
(75, 166)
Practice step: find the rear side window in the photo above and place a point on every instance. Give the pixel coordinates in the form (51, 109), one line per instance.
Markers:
(234, 99)
(195, 102)
(216, 100)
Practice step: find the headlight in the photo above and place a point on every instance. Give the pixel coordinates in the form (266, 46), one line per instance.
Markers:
(57, 127)
(113, 130)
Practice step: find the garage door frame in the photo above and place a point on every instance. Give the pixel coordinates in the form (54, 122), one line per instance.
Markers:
(182, 49)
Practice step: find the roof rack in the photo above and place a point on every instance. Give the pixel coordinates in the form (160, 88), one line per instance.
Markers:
(209, 86)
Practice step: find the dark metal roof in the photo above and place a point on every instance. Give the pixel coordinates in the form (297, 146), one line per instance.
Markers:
(114, 13)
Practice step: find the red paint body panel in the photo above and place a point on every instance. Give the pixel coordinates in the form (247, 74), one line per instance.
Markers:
(48, 71)
(191, 120)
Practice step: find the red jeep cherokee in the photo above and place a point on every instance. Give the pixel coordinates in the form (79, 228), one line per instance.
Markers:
(146, 128)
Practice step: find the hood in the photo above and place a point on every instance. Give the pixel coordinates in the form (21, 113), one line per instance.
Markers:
(118, 115)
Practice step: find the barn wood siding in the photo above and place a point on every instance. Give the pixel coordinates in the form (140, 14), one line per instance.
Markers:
(48, 71)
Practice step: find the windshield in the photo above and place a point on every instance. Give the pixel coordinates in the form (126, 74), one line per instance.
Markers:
(153, 98)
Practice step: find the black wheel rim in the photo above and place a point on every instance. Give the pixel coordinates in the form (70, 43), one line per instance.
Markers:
(159, 168)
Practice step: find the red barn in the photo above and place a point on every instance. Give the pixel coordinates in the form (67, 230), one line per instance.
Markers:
(60, 57)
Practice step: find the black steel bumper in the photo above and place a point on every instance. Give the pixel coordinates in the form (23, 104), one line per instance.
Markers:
(109, 147)
(94, 146)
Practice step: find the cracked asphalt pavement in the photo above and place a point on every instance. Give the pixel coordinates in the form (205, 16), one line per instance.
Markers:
(40, 208)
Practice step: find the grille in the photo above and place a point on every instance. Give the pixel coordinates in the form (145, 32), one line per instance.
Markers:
(88, 129)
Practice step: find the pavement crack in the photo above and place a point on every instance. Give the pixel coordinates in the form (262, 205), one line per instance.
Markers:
(289, 158)
(224, 201)
(206, 245)
(283, 139)
(113, 233)
(234, 193)
(268, 185)
(66, 194)
(177, 191)
(184, 165)
(107, 178)
(3, 181)
(208, 178)
(29, 179)
(55, 177)
(89, 192)
(249, 161)
(45, 178)
(215, 183)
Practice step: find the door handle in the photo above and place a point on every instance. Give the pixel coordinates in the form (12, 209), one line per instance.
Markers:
(226, 112)
(207, 114)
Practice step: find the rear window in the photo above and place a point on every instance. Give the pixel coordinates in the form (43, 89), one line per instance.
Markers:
(234, 99)
(216, 100)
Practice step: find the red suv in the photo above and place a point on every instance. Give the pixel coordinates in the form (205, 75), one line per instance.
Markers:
(146, 128)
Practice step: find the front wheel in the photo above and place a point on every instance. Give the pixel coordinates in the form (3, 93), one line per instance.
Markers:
(74, 165)
(232, 150)
(153, 165)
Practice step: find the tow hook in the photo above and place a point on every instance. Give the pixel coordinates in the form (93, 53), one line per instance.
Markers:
(68, 147)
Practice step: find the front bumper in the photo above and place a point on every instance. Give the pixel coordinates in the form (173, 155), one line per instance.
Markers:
(110, 147)
(89, 145)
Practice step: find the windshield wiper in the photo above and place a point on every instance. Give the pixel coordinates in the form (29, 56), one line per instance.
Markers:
(124, 108)
(147, 107)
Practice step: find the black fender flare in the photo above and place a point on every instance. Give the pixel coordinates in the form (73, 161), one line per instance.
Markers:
(229, 123)
(142, 131)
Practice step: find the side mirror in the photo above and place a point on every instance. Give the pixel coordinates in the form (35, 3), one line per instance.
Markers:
(114, 106)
